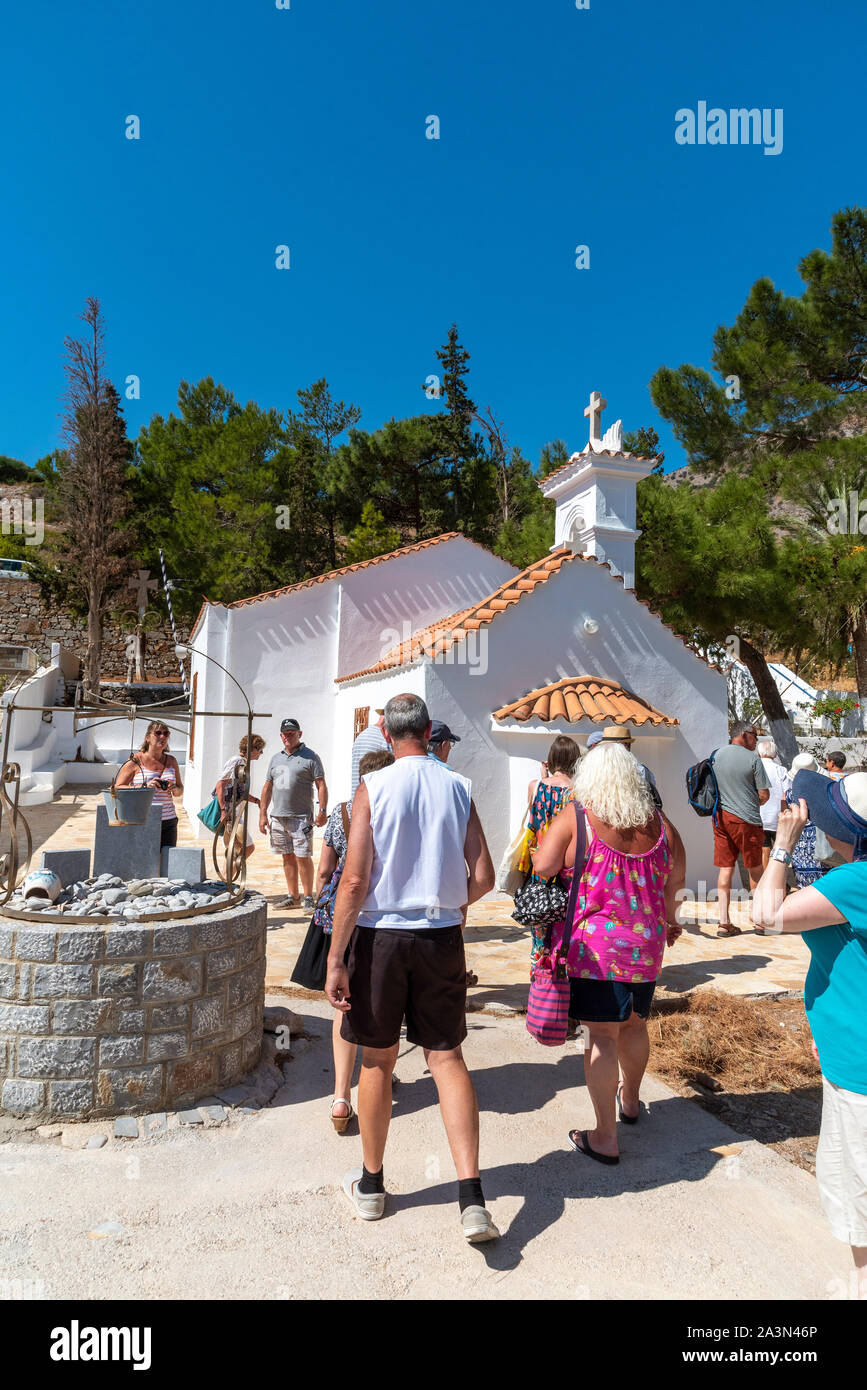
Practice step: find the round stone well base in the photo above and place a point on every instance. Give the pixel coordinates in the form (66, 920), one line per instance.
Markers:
(123, 1019)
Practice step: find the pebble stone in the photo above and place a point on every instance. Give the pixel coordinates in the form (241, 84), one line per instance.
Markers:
(96, 1141)
(108, 896)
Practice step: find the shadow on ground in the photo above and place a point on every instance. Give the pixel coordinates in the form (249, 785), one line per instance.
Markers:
(650, 1159)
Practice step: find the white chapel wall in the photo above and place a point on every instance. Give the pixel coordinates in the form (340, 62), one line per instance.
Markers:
(384, 604)
(541, 640)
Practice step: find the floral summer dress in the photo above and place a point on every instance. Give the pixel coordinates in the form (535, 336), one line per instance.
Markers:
(619, 931)
(547, 803)
(805, 865)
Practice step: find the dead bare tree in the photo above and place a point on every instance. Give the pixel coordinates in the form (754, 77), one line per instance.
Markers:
(498, 444)
(93, 549)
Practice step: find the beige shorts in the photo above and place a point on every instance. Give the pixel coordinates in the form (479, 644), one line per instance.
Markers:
(292, 835)
(841, 1162)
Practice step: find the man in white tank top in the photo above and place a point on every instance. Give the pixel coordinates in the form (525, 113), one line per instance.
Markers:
(417, 858)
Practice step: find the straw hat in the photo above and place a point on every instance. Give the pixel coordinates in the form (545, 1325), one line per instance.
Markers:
(616, 733)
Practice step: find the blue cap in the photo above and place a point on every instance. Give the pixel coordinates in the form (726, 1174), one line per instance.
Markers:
(593, 739)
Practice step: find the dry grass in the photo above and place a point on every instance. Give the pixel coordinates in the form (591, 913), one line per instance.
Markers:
(743, 1044)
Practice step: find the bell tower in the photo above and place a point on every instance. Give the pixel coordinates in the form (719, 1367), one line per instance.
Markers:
(595, 496)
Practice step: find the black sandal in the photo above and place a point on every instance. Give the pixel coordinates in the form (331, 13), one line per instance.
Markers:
(627, 1119)
(584, 1148)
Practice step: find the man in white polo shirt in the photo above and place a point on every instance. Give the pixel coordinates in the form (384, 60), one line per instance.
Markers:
(417, 857)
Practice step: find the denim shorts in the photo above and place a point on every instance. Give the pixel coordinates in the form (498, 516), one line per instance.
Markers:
(609, 1001)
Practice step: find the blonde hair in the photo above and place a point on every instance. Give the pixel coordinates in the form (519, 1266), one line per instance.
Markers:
(609, 782)
(258, 743)
(155, 724)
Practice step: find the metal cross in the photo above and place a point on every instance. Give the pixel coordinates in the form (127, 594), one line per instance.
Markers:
(594, 410)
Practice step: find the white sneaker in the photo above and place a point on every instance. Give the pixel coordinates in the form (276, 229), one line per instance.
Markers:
(478, 1225)
(368, 1205)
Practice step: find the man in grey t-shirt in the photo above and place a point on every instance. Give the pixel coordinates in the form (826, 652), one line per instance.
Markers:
(288, 791)
(744, 787)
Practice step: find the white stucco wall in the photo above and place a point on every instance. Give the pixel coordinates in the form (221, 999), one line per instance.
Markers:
(373, 692)
(203, 767)
(384, 604)
(540, 640)
(32, 739)
(286, 652)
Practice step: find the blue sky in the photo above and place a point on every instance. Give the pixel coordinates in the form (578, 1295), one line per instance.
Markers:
(306, 127)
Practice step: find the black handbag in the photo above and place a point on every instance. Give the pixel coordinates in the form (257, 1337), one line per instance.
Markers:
(312, 963)
(540, 902)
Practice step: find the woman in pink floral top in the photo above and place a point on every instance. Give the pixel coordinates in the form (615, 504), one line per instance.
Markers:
(625, 916)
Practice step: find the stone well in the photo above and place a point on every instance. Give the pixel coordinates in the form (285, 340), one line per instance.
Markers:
(128, 1018)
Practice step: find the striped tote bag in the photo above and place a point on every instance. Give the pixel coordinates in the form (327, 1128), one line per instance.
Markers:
(548, 1005)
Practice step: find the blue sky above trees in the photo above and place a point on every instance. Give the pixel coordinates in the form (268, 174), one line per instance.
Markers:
(306, 127)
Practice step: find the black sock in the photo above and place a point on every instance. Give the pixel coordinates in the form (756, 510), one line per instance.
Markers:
(470, 1193)
(370, 1182)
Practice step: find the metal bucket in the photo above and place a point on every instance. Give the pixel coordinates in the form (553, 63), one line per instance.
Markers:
(128, 805)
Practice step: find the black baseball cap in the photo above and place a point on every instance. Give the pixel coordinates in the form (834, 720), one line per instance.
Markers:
(290, 726)
(441, 733)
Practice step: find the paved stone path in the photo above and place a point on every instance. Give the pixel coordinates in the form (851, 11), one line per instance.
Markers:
(254, 1209)
(497, 948)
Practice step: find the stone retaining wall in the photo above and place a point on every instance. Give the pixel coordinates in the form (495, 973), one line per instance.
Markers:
(25, 620)
(129, 1019)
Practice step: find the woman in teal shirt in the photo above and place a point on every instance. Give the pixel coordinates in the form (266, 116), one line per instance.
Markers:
(832, 915)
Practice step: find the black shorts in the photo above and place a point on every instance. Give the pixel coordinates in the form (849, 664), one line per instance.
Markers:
(770, 839)
(422, 974)
(609, 1001)
(169, 833)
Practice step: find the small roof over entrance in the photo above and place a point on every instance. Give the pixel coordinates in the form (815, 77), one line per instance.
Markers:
(583, 697)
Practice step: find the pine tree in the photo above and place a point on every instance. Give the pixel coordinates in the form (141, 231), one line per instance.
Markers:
(552, 457)
(473, 473)
(790, 383)
(318, 425)
(645, 443)
(371, 537)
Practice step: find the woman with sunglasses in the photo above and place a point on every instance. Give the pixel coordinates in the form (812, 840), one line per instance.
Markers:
(154, 766)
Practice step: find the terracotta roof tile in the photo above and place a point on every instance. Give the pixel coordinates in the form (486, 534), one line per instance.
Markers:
(584, 697)
(439, 637)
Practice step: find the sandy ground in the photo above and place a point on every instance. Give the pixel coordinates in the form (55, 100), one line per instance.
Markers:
(254, 1209)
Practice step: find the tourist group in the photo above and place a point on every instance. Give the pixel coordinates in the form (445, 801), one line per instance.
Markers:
(597, 872)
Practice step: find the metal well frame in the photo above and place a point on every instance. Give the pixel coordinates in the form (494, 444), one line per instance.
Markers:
(107, 712)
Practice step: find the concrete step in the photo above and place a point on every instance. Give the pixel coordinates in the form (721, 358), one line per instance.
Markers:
(39, 787)
(36, 796)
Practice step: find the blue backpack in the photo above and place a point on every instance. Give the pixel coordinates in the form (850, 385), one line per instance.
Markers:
(702, 789)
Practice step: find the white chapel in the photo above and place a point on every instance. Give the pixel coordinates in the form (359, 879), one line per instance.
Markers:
(508, 658)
